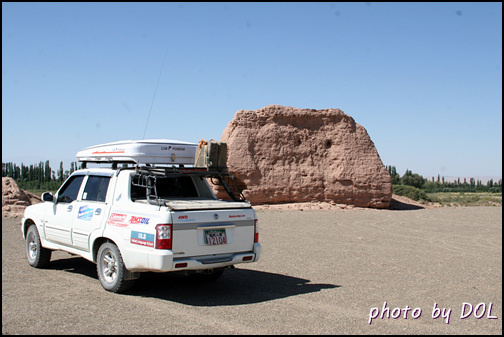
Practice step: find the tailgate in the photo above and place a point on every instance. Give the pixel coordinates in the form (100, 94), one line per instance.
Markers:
(209, 232)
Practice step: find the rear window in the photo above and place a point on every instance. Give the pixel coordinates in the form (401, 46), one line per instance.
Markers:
(168, 188)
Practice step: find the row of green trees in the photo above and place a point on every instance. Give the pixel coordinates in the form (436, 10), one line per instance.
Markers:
(42, 176)
(441, 185)
(38, 176)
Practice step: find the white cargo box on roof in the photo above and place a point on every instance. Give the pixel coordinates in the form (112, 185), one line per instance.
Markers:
(149, 151)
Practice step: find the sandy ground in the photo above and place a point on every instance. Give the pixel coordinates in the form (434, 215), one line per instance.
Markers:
(397, 203)
(320, 272)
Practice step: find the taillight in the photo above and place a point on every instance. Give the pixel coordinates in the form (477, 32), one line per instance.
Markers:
(256, 231)
(164, 236)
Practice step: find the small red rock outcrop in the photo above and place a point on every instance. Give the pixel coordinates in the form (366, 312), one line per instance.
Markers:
(14, 199)
(284, 154)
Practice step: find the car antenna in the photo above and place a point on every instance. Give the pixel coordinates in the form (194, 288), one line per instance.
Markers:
(153, 98)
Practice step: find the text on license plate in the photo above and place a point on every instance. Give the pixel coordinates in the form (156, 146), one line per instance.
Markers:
(215, 237)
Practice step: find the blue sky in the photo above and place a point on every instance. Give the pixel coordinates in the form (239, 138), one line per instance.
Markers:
(424, 79)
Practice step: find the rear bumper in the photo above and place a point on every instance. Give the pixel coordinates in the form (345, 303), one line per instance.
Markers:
(211, 262)
(164, 261)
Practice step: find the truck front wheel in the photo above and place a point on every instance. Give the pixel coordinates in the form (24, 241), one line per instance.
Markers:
(111, 269)
(38, 257)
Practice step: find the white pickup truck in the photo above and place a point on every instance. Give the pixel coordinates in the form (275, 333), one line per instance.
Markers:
(153, 218)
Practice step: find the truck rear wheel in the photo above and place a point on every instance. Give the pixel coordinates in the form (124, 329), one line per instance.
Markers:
(111, 269)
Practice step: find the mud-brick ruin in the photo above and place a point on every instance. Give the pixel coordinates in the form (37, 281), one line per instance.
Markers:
(285, 154)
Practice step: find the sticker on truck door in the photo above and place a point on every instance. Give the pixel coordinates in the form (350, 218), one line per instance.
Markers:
(85, 213)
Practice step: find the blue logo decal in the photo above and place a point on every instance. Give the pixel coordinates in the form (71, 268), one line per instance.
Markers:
(85, 213)
(142, 239)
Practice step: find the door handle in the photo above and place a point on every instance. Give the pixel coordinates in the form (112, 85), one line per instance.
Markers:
(69, 208)
(98, 211)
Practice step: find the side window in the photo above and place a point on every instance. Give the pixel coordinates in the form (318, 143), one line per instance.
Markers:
(68, 192)
(96, 188)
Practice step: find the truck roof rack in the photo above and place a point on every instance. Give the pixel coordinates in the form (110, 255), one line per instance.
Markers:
(156, 158)
(147, 176)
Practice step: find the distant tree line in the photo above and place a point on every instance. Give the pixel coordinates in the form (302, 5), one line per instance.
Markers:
(38, 176)
(440, 184)
(42, 176)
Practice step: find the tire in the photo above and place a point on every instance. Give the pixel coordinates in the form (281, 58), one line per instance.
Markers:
(111, 269)
(38, 256)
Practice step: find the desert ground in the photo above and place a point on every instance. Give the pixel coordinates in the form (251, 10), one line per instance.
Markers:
(325, 271)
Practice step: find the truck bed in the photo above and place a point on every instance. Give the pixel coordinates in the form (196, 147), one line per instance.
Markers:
(199, 204)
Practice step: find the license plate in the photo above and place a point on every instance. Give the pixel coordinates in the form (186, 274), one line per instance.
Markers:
(215, 237)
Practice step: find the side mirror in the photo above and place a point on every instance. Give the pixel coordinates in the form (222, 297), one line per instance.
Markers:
(47, 196)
